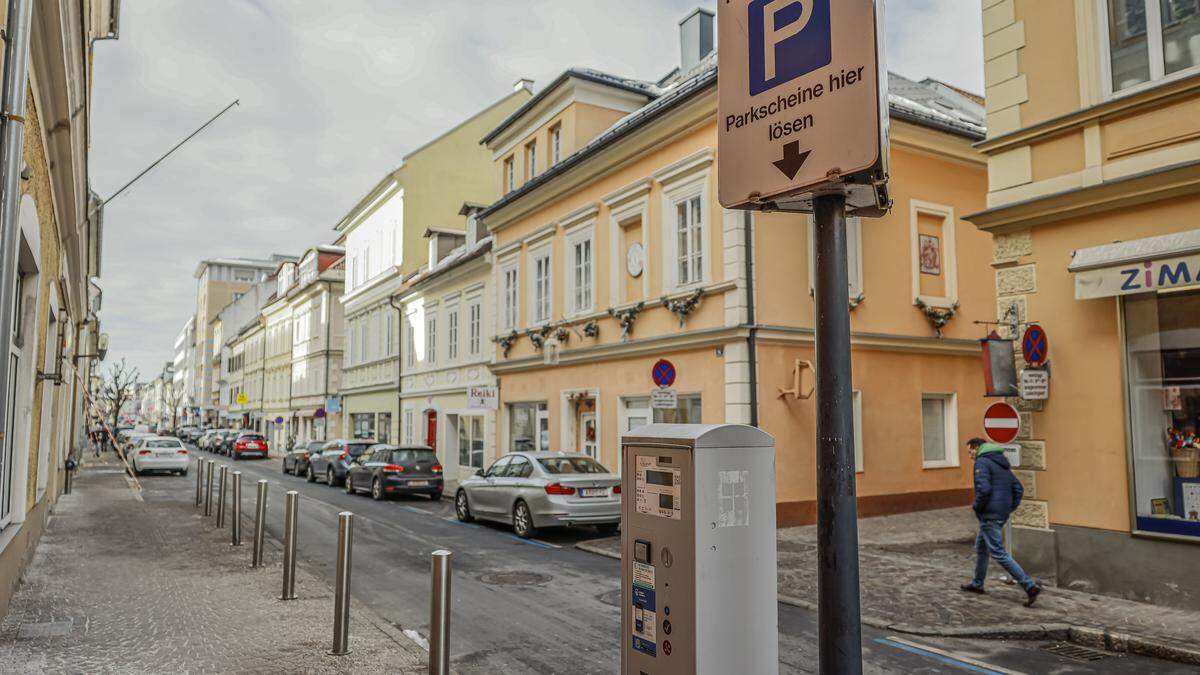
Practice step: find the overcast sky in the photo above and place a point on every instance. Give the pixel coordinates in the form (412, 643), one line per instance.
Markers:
(333, 94)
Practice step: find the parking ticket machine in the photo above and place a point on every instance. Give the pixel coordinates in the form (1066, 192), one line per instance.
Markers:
(698, 574)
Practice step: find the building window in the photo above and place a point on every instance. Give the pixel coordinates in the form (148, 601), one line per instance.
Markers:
(933, 255)
(542, 291)
(430, 339)
(510, 176)
(854, 256)
(531, 160)
(689, 241)
(556, 144)
(384, 430)
(470, 442)
(939, 431)
(581, 273)
(452, 333)
(389, 338)
(529, 427)
(474, 327)
(408, 432)
(364, 425)
(636, 412)
(1151, 40)
(510, 290)
(410, 353)
(1162, 343)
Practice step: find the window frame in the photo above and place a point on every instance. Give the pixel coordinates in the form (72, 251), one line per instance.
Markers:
(531, 167)
(474, 327)
(452, 333)
(431, 329)
(1154, 45)
(536, 256)
(555, 144)
(510, 295)
(854, 248)
(509, 173)
(951, 458)
(584, 234)
(696, 186)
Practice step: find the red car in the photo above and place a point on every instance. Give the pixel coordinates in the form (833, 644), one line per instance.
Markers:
(249, 445)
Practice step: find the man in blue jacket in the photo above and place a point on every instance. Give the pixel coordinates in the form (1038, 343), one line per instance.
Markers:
(997, 494)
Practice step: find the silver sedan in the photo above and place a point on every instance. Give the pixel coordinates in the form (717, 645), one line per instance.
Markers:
(542, 489)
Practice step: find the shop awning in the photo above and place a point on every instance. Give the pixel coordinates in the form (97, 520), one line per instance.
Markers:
(1137, 266)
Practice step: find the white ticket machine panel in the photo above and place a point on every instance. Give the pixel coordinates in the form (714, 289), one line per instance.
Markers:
(698, 559)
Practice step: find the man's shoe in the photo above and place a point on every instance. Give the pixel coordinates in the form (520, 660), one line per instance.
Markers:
(972, 588)
(1032, 595)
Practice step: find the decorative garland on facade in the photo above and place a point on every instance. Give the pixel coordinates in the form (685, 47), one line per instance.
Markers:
(627, 317)
(506, 341)
(938, 316)
(683, 306)
(591, 329)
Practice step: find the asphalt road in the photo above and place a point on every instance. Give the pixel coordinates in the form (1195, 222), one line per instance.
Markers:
(544, 606)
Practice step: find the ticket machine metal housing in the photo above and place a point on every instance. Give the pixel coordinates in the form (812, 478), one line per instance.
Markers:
(698, 555)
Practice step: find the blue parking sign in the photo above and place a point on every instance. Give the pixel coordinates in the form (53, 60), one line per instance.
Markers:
(787, 39)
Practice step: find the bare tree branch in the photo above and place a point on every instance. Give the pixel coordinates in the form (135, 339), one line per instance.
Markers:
(117, 389)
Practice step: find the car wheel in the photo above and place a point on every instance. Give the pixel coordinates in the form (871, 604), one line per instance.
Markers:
(298, 470)
(377, 490)
(183, 473)
(329, 476)
(435, 496)
(523, 521)
(462, 508)
(607, 529)
(348, 484)
(284, 468)
(312, 477)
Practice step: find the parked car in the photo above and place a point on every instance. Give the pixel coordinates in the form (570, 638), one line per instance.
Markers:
(130, 439)
(160, 453)
(334, 460)
(295, 461)
(206, 441)
(542, 489)
(248, 444)
(223, 443)
(386, 470)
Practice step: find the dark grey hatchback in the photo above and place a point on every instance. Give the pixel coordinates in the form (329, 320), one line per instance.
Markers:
(387, 470)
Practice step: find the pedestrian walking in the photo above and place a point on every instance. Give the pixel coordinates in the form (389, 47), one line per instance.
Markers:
(997, 494)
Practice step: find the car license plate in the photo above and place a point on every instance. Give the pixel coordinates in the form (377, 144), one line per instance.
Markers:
(162, 454)
(418, 483)
(593, 492)
(252, 446)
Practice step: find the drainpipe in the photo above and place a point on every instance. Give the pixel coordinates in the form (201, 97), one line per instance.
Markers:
(328, 349)
(752, 340)
(399, 366)
(12, 155)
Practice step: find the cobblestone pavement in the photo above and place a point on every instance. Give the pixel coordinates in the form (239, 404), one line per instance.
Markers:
(911, 566)
(119, 585)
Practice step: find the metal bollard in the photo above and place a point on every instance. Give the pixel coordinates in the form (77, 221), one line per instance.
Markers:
(341, 599)
(70, 473)
(208, 490)
(290, 515)
(439, 614)
(236, 514)
(199, 482)
(221, 496)
(260, 517)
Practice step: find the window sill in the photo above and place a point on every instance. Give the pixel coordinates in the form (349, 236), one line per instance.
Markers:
(940, 465)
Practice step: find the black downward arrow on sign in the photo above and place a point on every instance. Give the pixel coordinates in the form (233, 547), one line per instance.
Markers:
(792, 160)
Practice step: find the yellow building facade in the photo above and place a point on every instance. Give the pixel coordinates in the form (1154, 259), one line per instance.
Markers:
(1094, 204)
(617, 254)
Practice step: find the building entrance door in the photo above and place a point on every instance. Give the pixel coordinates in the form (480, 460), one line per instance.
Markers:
(431, 429)
(587, 434)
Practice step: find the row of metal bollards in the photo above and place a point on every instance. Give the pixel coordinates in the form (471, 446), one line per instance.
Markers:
(439, 608)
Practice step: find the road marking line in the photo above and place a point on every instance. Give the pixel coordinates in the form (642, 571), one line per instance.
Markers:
(946, 657)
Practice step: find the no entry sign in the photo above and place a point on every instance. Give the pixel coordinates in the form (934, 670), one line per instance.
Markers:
(1001, 423)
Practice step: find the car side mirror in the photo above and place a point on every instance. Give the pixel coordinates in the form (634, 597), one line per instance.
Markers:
(479, 472)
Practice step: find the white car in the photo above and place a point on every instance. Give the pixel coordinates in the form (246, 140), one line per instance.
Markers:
(160, 453)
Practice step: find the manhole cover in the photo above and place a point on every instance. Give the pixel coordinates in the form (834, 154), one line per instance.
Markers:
(1076, 652)
(515, 579)
(32, 631)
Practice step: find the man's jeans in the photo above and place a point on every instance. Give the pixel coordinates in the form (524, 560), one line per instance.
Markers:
(987, 542)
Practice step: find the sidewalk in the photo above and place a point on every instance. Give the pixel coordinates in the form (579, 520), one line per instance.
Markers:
(122, 585)
(911, 566)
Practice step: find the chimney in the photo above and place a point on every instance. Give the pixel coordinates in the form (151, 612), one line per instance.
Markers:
(696, 38)
(523, 83)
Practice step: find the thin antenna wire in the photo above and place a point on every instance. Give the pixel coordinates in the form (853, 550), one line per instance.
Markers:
(168, 153)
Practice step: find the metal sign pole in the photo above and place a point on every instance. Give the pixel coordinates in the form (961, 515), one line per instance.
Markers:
(840, 630)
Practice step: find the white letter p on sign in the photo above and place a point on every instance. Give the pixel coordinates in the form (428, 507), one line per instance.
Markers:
(772, 37)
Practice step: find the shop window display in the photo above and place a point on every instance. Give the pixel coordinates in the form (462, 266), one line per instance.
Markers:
(1162, 336)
